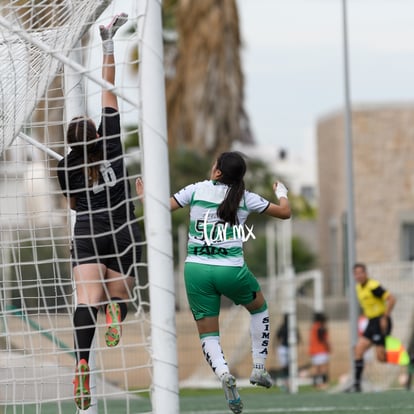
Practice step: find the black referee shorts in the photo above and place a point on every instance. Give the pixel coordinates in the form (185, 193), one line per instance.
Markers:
(373, 331)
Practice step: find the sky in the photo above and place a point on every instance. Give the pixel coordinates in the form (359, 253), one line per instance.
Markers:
(292, 60)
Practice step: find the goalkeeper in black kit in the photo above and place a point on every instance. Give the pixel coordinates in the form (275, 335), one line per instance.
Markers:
(106, 236)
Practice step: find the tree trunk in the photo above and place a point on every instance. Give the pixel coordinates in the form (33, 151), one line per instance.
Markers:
(205, 96)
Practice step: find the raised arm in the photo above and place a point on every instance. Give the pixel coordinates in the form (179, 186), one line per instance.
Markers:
(107, 33)
(281, 210)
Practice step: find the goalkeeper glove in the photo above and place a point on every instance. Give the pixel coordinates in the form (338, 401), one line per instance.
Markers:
(108, 32)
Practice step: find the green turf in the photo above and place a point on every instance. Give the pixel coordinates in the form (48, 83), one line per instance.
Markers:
(256, 401)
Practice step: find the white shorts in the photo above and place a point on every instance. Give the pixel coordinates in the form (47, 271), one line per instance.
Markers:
(320, 359)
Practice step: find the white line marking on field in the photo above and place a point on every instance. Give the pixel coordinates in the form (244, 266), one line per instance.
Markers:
(293, 410)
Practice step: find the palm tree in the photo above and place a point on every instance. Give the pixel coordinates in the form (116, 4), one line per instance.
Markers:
(205, 95)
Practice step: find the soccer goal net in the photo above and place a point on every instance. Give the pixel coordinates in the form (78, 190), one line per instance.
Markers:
(50, 71)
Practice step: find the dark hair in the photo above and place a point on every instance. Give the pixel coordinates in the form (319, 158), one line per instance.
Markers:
(319, 317)
(360, 265)
(233, 168)
(81, 131)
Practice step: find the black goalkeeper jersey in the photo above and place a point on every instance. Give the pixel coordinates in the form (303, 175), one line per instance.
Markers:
(110, 196)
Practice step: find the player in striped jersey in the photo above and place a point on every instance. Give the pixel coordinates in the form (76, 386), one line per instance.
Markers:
(215, 264)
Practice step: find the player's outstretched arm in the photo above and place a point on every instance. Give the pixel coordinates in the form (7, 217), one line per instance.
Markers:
(281, 210)
(108, 65)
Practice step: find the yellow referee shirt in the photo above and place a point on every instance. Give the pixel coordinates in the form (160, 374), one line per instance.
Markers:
(372, 298)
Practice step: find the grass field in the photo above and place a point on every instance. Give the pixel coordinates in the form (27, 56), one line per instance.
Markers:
(256, 401)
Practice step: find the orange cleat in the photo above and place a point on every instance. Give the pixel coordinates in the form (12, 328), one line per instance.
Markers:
(113, 322)
(82, 391)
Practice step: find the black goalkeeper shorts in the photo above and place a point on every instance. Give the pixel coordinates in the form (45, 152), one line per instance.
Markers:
(118, 249)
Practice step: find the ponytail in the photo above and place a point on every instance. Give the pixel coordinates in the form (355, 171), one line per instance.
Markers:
(233, 168)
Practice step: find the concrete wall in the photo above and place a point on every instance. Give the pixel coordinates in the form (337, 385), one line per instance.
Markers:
(383, 160)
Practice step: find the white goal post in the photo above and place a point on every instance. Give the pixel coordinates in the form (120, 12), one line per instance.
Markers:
(50, 61)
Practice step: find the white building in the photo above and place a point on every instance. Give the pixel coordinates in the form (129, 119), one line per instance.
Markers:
(297, 173)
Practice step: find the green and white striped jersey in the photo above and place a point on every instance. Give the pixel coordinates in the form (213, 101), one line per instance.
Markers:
(210, 240)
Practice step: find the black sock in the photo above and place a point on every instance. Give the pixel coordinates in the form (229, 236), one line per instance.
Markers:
(359, 367)
(122, 306)
(84, 320)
